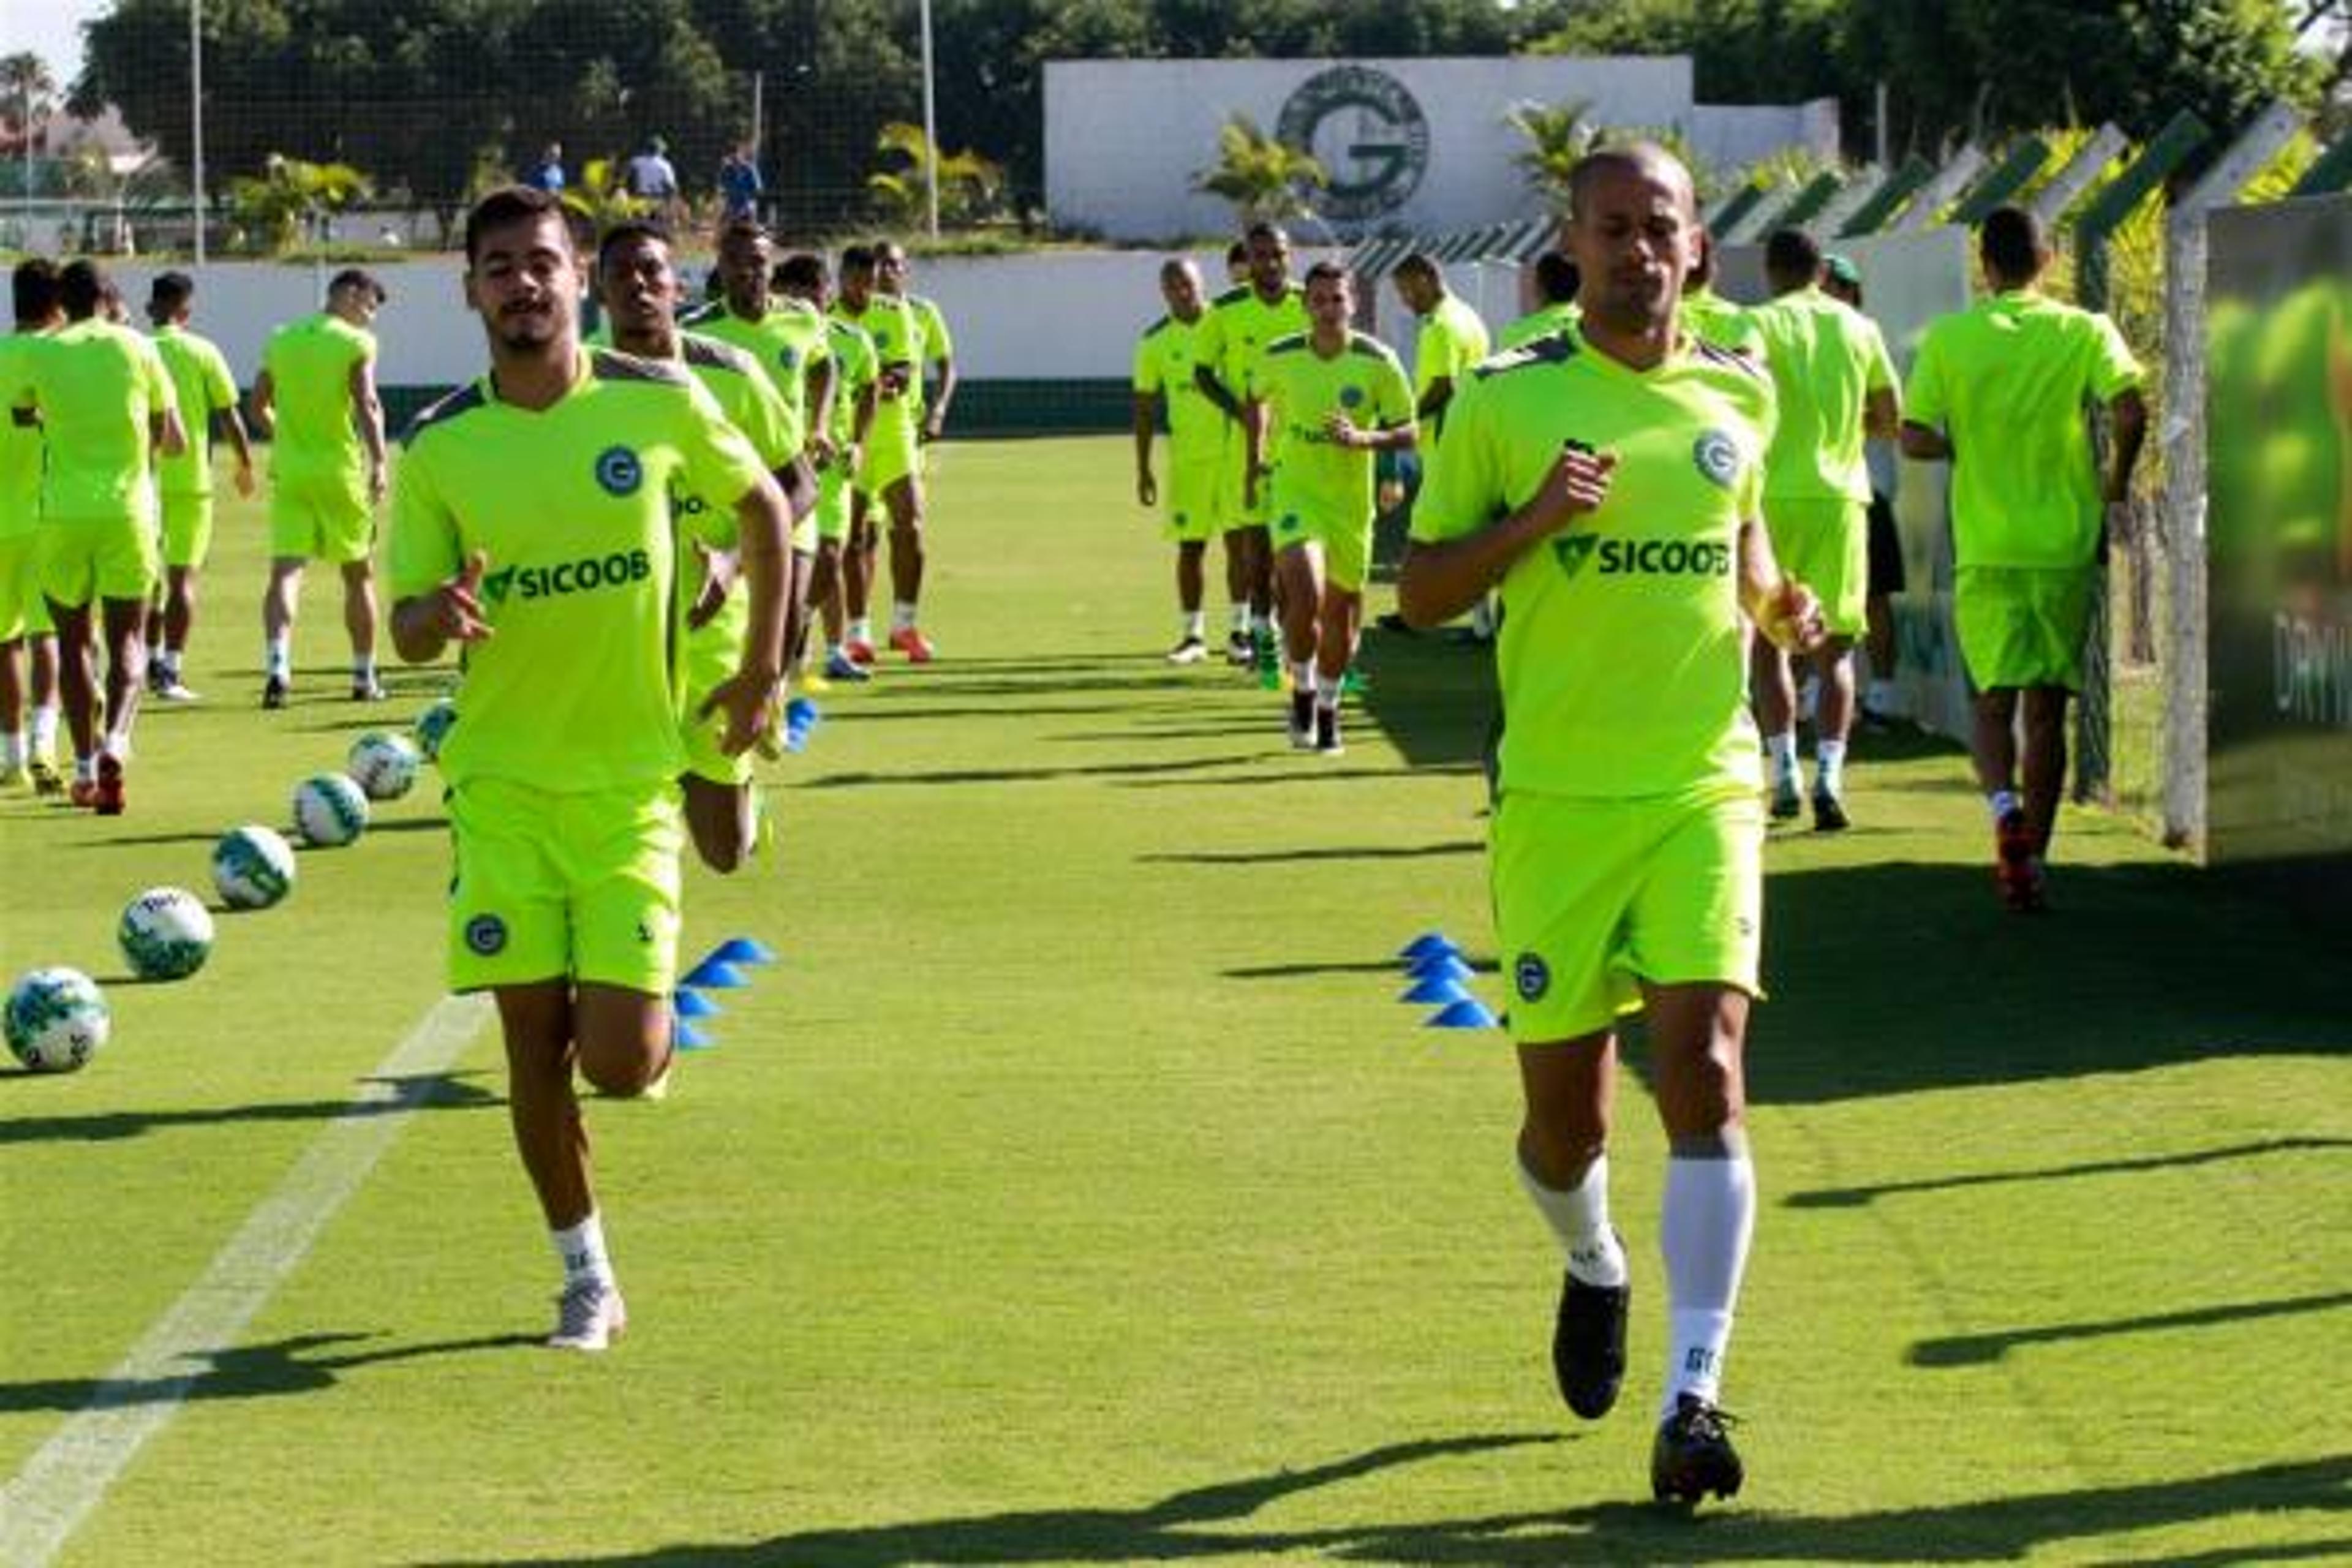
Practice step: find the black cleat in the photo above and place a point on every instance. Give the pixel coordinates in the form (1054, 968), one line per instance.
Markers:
(273, 692)
(1327, 732)
(1829, 812)
(1693, 1455)
(1302, 719)
(1588, 1344)
(1239, 651)
(1786, 802)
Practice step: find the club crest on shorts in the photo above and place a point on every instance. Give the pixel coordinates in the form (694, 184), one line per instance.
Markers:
(1532, 976)
(1718, 456)
(485, 935)
(618, 471)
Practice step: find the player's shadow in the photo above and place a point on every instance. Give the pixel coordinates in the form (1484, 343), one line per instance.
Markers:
(1021, 775)
(292, 1365)
(1861, 1197)
(1320, 853)
(422, 1091)
(1981, 1349)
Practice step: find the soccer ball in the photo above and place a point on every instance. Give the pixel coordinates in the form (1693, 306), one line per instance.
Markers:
(56, 1019)
(166, 933)
(432, 727)
(329, 810)
(383, 766)
(253, 867)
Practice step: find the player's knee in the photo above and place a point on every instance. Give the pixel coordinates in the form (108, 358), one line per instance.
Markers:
(1557, 1150)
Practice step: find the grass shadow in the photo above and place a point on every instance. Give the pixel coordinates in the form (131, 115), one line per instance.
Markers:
(243, 1372)
(439, 1091)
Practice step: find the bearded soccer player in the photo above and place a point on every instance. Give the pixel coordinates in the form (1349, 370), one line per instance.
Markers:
(1322, 404)
(1165, 389)
(317, 392)
(183, 488)
(2003, 391)
(1611, 481)
(532, 527)
(104, 403)
(1233, 332)
(28, 645)
(836, 441)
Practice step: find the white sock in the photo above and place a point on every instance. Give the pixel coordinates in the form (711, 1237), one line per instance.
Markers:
(11, 749)
(1327, 695)
(1302, 676)
(862, 629)
(1241, 619)
(277, 657)
(1196, 624)
(580, 1250)
(118, 743)
(902, 615)
(44, 729)
(2003, 802)
(1783, 748)
(1708, 1214)
(1579, 1218)
(1831, 755)
(363, 666)
(167, 665)
(85, 770)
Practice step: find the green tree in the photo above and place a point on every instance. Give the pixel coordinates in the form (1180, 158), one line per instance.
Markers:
(972, 188)
(1263, 176)
(289, 199)
(27, 96)
(1557, 136)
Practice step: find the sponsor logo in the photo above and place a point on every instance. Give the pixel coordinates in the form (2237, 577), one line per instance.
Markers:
(1531, 975)
(1574, 550)
(1716, 456)
(618, 471)
(1367, 132)
(618, 570)
(1642, 557)
(485, 935)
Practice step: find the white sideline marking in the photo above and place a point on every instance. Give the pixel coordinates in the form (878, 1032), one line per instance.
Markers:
(67, 1476)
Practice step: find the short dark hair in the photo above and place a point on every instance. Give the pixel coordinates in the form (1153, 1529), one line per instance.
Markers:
(1324, 272)
(168, 295)
(801, 269)
(1792, 255)
(1238, 251)
(508, 203)
(1262, 229)
(629, 231)
(1644, 158)
(856, 259)
(80, 287)
(743, 229)
(35, 283)
(2010, 243)
(1418, 265)
(354, 278)
(1556, 279)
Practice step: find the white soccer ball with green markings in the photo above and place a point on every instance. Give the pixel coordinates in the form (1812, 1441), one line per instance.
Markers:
(56, 1019)
(166, 933)
(253, 867)
(432, 727)
(330, 810)
(383, 764)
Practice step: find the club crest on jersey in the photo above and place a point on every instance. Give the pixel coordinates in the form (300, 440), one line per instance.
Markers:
(1532, 976)
(618, 471)
(1351, 396)
(1718, 456)
(486, 934)
(789, 357)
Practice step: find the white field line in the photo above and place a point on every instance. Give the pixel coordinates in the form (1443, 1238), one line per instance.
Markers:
(68, 1474)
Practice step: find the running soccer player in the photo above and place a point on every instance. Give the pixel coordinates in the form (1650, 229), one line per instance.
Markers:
(639, 286)
(1842, 281)
(891, 477)
(1556, 287)
(531, 525)
(928, 345)
(1710, 315)
(104, 403)
(1166, 389)
(1612, 482)
(1234, 329)
(835, 444)
(316, 397)
(206, 393)
(1321, 404)
(1834, 387)
(1452, 337)
(2003, 391)
(28, 645)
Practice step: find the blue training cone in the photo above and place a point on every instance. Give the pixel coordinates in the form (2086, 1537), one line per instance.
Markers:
(1468, 1014)
(1425, 944)
(715, 974)
(687, 1037)
(1440, 967)
(743, 949)
(1435, 991)
(693, 1004)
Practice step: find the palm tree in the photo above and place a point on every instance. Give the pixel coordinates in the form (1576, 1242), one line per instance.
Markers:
(1263, 176)
(598, 196)
(291, 196)
(1558, 135)
(972, 188)
(27, 94)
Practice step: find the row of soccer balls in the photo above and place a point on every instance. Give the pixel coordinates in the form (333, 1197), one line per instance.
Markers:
(57, 1019)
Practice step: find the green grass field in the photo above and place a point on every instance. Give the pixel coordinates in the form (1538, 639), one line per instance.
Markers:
(1075, 1190)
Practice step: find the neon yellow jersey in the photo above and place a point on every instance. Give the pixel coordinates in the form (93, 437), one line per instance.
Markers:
(853, 370)
(1622, 670)
(1164, 358)
(1709, 317)
(1314, 479)
(20, 445)
(889, 326)
(2010, 381)
(309, 362)
(1540, 323)
(1451, 341)
(203, 386)
(938, 347)
(787, 342)
(571, 505)
(98, 387)
(1826, 359)
(1239, 325)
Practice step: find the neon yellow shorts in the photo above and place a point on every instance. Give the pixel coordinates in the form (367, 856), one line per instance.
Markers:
(1347, 549)
(1189, 500)
(551, 887)
(86, 558)
(187, 529)
(321, 517)
(892, 455)
(832, 514)
(1232, 511)
(1824, 543)
(24, 610)
(1593, 898)
(2022, 626)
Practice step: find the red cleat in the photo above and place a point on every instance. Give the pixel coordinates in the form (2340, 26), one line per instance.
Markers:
(83, 794)
(110, 785)
(913, 643)
(859, 650)
(2017, 863)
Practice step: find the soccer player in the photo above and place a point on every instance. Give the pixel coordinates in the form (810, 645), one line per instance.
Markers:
(1165, 388)
(935, 381)
(2003, 391)
(836, 439)
(317, 392)
(639, 286)
(1611, 481)
(532, 527)
(104, 401)
(1841, 280)
(28, 647)
(1321, 404)
(206, 394)
(930, 347)
(1834, 389)
(1236, 326)
(1452, 337)
(1556, 288)
(1710, 315)
(890, 479)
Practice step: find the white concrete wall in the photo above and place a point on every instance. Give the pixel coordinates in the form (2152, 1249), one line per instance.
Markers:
(1125, 138)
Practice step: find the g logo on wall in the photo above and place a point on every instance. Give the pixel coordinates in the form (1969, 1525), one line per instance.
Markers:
(1367, 132)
